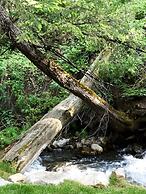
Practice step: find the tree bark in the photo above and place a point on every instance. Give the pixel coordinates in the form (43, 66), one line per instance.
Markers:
(31, 144)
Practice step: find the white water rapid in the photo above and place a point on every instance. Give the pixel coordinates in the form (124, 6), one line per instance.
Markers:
(89, 172)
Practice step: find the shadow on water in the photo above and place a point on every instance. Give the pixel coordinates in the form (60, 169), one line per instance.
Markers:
(58, 157)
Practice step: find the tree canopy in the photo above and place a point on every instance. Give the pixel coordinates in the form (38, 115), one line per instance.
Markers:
(73, 32)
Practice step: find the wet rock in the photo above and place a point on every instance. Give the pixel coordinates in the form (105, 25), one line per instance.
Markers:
(78, 145)
(137, 149)
(97, 148)
(134, 149)
(15, 178)
(69, 147)
(88, 147)
(83, 141)
(130, 138)
(4, 182)
(103, 140)
(54, 166)
(87, 151)
(128, 149)
(60, 143)
(119, 173)
(49, 148)
(88, 142)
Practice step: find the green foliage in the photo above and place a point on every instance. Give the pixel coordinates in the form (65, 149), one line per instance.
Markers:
(79, 55)
(133, 92)
(6, 170)
(118, 182)
(75, 28)
(25, 95)
(84, 134)
(123, 67)
(68, 188)
(8, 135)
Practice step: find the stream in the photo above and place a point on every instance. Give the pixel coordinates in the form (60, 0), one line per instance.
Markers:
(56, 166)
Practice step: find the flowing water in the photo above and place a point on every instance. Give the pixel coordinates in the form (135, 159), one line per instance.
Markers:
(63, 165)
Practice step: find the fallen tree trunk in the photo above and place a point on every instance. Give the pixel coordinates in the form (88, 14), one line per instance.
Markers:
(51, 69)
(29, 147)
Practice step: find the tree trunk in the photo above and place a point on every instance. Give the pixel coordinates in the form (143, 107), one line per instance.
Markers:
(31, 144)
(51, 69)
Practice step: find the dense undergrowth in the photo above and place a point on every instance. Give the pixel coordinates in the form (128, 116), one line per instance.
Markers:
(6, 170)
(26, 95)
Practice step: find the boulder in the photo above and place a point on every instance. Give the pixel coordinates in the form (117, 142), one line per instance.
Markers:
(69, 147)
(97, 148)
(119, 173)
(78, 145)
(83, 141)
(88, 142)
(103, 140)
(15, 178)
(86, 151)
(60, 143)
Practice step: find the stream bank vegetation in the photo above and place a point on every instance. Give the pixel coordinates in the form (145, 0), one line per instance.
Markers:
(48, 49)
(72, 188)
